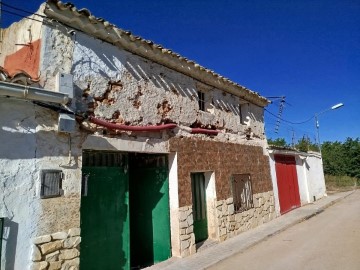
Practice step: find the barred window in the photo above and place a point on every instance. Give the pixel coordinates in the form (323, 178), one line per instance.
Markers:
(242, 192)
(201, 98)
(51, 183)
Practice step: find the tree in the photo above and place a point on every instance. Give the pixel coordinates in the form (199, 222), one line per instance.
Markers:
(305, 145)
(278, 142)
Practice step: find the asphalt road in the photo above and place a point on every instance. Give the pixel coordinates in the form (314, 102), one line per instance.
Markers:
(330, 240)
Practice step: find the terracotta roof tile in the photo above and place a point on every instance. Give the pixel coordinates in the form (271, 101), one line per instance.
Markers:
(20, 77)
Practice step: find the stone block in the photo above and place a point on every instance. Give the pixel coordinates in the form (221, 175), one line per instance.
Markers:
(50, 247)
(69, 254)
(182, 231)
(190, 220)
(190, 230)
(72, 242)
(183, 225)
(192, 249)
(42, 239)
(229, 201)
(185, 253)
(184, 245)
(59, 235)
(39, 266)
(192, 238)
(36, 254)
(74, 232)
(71, 264)
(52, 257)
(183, 215)
(231, 209)
(218, 203)
(184, 237)
(55, 265)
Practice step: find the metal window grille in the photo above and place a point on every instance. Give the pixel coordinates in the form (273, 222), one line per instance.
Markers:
(51, 183)
(103, 159)
(242, 192)
(201, 98)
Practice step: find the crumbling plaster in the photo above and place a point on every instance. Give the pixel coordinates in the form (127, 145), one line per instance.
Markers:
(128, 89)
(18, 35)
(30, 144)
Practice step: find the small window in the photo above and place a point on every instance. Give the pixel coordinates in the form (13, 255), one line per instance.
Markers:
(51, 183)
(242, 192)
(201, 98)
(241, 115)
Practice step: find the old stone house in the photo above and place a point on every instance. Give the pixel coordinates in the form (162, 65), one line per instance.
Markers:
(121, 147)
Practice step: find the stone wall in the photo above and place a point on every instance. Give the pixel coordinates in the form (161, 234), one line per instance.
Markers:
(187, 236)
(231, 223)
(60, 250)
(227, 222)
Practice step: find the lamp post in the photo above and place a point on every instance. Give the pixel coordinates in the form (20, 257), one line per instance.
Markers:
(336, 106)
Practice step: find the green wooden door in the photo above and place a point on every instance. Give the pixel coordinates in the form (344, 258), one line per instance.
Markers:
(199, 206)
(149, 210)
(104, 215)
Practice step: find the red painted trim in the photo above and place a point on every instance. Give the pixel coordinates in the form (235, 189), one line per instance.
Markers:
(204, 131)
(130, 128)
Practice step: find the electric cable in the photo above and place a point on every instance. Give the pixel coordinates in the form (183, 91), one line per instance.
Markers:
(22, 10)
(287, 121)
(19, 15)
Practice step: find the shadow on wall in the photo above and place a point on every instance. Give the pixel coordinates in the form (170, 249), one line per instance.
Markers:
(9, 243)
(99, 56)
(109, 62)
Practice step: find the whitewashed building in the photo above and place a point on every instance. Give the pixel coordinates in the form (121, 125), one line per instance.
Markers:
(121, 147)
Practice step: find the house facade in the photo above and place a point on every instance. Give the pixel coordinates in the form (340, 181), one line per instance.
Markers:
(120, 153)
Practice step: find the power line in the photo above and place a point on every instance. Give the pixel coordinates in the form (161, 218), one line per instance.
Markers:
(19, 15)
(287, 121)
(22, 10)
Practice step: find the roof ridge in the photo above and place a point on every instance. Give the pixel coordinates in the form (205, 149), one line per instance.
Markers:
(83, 20)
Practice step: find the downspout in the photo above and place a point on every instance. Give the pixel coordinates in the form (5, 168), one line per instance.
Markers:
(32, 93)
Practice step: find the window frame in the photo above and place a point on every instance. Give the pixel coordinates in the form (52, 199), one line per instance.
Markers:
(201, 100)
(242, 184)
(59, 184)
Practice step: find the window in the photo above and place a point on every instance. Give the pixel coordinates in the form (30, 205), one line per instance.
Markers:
(242, 192)
(201, 98)
(51, 182)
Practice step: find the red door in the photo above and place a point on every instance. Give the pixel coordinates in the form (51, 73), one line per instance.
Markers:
(287, 181)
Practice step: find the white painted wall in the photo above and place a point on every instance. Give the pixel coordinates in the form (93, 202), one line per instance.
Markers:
(274, 183)
(302, 179)
(315, 175)
(310, 176)
(30, 144)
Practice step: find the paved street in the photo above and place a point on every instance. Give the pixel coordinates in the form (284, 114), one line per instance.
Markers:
(330, 240)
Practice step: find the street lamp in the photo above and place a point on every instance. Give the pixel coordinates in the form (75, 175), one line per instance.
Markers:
(337, 106)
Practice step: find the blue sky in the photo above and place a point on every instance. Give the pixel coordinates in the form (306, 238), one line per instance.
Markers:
(308, 51)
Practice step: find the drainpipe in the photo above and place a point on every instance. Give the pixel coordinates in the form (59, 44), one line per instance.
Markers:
(32, 93)
(130, 128)
(204, 131)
